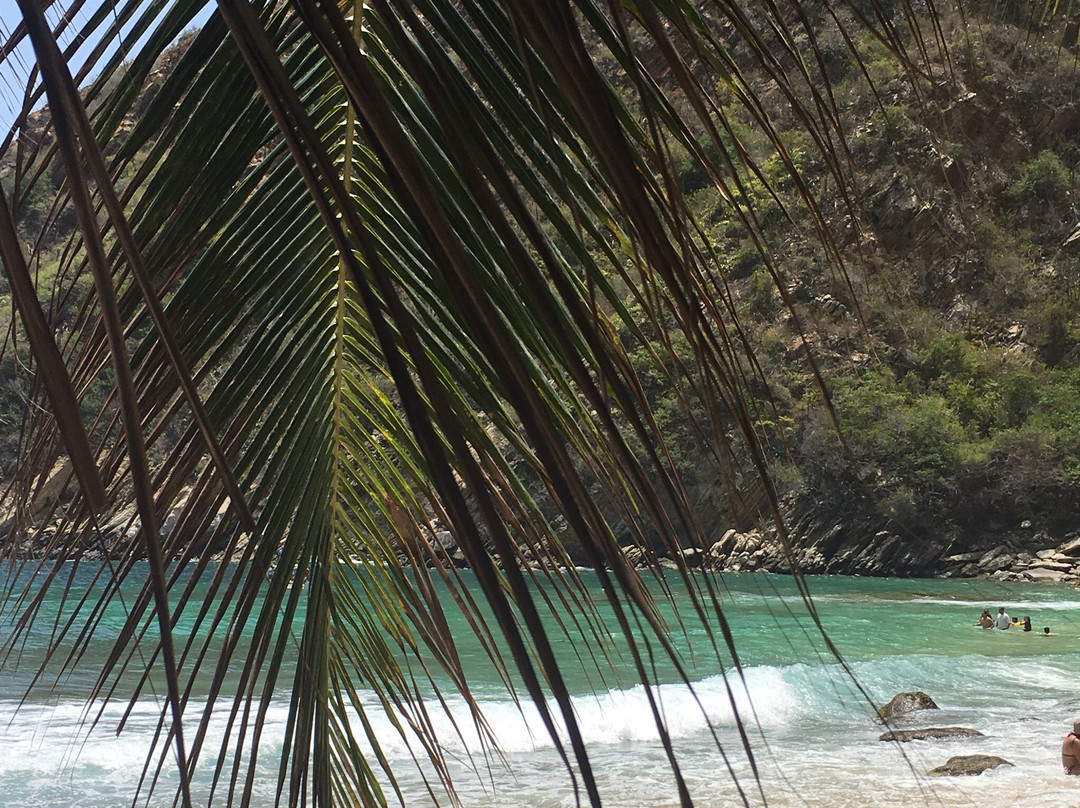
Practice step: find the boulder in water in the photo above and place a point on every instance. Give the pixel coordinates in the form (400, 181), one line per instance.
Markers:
(929, 734)
(968, 764)
(903, 703)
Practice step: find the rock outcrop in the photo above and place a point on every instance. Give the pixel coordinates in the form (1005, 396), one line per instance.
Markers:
(902, 704)
(929, 734)
(967, 765)
(825, 543)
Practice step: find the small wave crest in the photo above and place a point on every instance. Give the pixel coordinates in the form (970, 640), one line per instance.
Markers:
(765, 696)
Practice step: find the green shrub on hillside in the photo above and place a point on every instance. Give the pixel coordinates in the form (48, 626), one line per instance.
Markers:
(1058, 414)
(1043, 180)
(691, 173)
(896, 439)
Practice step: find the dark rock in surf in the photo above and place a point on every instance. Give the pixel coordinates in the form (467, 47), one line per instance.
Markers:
(959, 765)
(929, 734)
(694, 557)
(903, 703)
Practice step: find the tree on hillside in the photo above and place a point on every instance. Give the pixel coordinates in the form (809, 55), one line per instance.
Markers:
(368, 275)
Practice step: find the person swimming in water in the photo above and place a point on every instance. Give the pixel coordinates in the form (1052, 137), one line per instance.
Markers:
(985, 620)
(1003, 620)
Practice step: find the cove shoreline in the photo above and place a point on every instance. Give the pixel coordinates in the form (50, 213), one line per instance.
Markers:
(820, 541)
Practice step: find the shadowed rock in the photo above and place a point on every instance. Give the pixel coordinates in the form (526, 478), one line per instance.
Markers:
(929, 734)
(903, 703)
(968, 764)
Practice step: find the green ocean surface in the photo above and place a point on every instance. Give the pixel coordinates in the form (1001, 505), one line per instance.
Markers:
(809, 718)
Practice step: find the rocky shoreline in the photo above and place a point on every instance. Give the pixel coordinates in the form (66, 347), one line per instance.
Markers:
(759, 550)
(822, 541)
(762, 551)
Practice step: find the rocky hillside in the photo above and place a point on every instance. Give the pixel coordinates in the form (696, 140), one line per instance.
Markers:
(950, 348)
(948, 335)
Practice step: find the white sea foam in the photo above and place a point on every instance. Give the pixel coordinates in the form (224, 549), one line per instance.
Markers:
(992, 599)
(48, 738)
(627, 715)
(813, 736)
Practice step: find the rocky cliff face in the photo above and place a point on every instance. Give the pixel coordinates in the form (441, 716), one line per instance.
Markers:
(957, 460)
(969, 227)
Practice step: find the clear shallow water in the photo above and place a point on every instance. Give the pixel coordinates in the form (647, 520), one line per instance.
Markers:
(812, 733)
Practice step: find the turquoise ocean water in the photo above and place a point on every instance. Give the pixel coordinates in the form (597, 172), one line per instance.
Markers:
(812, 732)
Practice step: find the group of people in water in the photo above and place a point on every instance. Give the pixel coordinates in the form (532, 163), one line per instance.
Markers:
(1003, 621)
(1070, 747)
